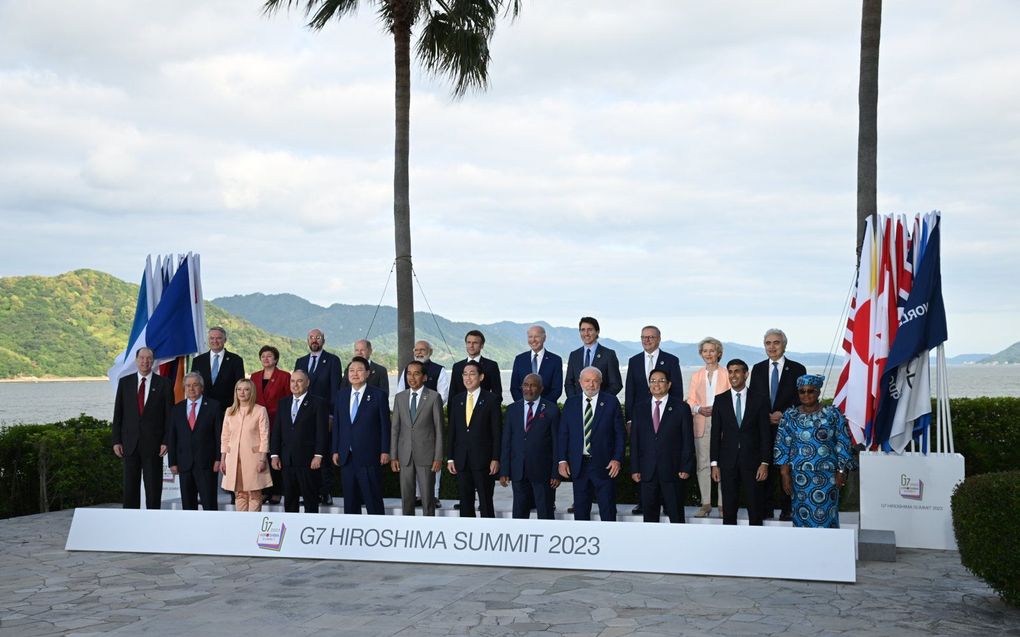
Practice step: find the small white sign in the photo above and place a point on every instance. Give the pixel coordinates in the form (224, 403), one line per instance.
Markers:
(697, 549)
(910, 494)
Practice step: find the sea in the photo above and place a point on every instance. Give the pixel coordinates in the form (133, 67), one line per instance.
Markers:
(55, 401)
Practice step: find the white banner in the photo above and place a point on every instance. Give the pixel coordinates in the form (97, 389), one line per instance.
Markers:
(910, 494)
(697, 549)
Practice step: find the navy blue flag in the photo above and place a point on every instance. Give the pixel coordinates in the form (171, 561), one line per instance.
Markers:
(922, 328)
(170, 331)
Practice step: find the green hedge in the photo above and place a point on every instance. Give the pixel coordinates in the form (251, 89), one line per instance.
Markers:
(986, 509)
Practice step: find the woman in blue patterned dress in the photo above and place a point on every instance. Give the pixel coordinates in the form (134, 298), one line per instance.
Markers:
(813, 451)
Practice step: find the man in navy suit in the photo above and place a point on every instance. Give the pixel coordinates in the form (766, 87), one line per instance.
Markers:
(193, 443)
(220, 369)
(141, 414)
(323, 369)
(591, 444)
(741, 446)
(538, 361)
(474, 443)
(299, 442)
(775, 378)
(474, 341)
(361, 439)
(592, 354)
(640, 367)
(378, 376)
(530, 433)
(662, 449)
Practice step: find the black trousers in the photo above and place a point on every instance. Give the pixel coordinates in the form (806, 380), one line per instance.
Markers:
(734, 480)
(301, 483)
(668, 495)
(471, 481)
(198, 484)
(530, 495)
(147, 468)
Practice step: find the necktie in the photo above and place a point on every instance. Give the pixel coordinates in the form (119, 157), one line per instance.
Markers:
(774, 384)
(740, 411)
(141, 397)
(354, 406)
(215, 367)
(470, 409)
(414, 405)
(587, 357)
(313, 364)
(589, 415)
(656, 416)
(294, 409)
(191, 417)
(534, 364)
(531, 416)
(649, 366)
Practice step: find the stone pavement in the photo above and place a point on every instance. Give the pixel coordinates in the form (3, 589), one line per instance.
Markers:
(45, 590)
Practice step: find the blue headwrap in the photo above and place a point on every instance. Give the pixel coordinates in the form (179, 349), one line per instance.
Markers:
(814, 380)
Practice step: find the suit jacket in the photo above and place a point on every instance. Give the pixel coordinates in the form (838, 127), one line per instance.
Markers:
(297, 440)
(551, 371)
(748, 445)
(476, 447)
(605, 361)
(530, 455)
(491, 383)
(369, 435)
(607, 434)
(698, 394)
(418, 441)
(661, 456)
(145, 432)
(198, 449)
(231, 371)
(786, 394)
(378, 376)
(277, 388)
(326, 379)
(637, 382)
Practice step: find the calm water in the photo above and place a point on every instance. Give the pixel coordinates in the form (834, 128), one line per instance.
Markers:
(56, 401)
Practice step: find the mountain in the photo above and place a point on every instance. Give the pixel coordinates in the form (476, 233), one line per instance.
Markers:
(293, 316)
(963, 359)
(74, 324)
(1010, 355)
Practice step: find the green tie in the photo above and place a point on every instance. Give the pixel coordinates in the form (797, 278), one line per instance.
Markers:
(589, 415)
(414, 405)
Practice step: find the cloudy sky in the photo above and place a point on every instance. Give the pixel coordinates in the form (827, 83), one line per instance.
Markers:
(689, 164)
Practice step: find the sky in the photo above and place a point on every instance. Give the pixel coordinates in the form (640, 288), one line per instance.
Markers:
(687, 164)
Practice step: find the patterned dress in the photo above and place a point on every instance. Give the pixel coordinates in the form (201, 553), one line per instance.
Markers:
(815, 446)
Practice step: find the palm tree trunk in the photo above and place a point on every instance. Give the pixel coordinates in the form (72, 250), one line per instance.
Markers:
(401, 187)
(867, 104)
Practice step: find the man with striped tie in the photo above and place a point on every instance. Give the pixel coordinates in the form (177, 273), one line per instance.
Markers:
(591, 446)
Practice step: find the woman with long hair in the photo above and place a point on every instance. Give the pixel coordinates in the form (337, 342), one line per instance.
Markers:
(244, 444)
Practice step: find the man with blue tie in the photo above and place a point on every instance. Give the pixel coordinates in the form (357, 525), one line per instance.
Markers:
(537, 360)
(220, 368)
(299, 442)
(662, 449)
(592, 354)
(193, 443)
(591, 443)
(530, 432)
(323, 369)
(361, 439)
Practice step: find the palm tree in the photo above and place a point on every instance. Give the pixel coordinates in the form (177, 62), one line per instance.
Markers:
(453, 41)
(867, 105)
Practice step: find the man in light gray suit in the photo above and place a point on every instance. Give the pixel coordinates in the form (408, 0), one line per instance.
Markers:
(416, 439)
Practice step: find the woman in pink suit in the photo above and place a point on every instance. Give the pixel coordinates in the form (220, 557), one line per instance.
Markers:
(271, 384)
(706, 383)
(244, 445)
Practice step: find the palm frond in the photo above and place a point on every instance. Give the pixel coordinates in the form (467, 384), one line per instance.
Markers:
(454, 41)
(322, 11)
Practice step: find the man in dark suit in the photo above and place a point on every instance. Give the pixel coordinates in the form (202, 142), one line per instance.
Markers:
(220, 369)
(193, 443)
(662, 449)
(140, 417)
(474, 341)
(741, 445)
(361, 439)
(378, 376)
(590, 447)
(775, 378)
(416, 440)
(474, 443)
(528, 456)
(592, 354)
(299, 442)
(323, 369)
(538, 361)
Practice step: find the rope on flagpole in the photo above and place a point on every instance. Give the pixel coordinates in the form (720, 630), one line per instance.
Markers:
(429, 305)
(381, 297)
(831, 359)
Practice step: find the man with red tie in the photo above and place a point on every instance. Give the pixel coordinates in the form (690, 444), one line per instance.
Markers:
(193, 443)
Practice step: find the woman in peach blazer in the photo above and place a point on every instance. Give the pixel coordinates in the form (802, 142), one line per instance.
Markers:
(706, 383)
(244, 445)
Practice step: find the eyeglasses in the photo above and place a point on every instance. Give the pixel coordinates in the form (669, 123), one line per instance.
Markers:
(657, 381)
(807, 391)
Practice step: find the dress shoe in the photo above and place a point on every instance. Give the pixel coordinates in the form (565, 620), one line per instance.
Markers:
(570, 509)
(327, 500)
(703, 511)
(637, 510)
(457, 506)
(785, 517)
(417, 502)
(769, 515)
(439, 505)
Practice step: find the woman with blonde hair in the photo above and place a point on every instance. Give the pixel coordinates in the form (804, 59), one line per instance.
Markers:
(706, 383)
(244, 444)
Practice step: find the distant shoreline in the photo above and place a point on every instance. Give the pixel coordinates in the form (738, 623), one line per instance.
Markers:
(53, 379)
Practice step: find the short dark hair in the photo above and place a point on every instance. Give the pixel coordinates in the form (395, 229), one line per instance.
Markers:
(477, 333)
(594, 322)
(474, 364)
(736, 361)
(270, 348)
(359, 359)
(420, 365)
(664, 372)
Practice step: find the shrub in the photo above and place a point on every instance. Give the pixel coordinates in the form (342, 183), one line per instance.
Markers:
(985, 513)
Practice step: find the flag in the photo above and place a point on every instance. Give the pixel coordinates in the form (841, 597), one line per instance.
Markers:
(124, 364)
(854, 398)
